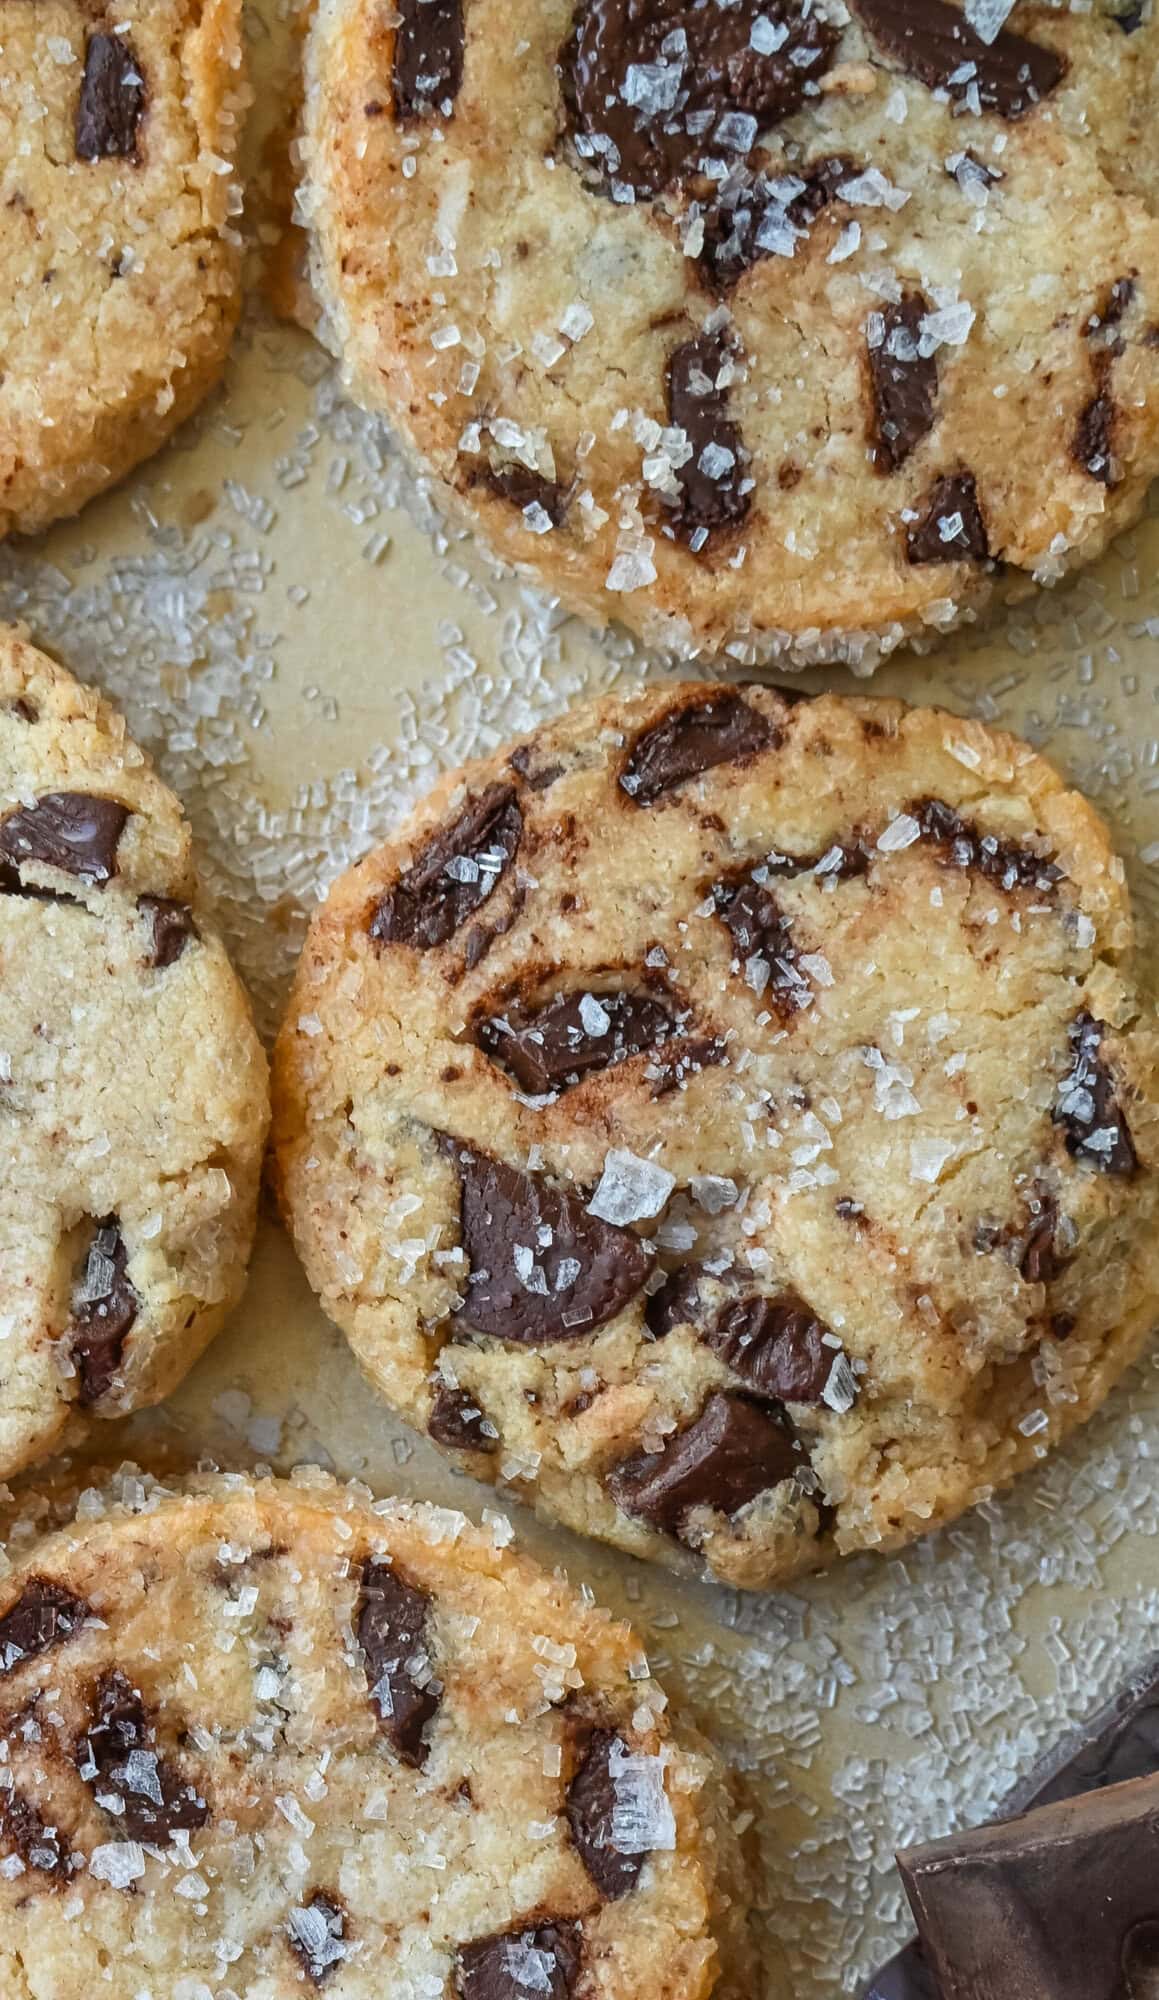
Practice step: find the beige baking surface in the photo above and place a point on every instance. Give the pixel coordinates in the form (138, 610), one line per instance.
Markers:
(275, 607)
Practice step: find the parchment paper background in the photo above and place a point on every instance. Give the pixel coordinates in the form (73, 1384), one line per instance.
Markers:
(303, 646)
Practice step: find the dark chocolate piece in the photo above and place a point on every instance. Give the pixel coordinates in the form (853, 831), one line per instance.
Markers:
(117, 1757)
(457, 1419)
(733, 1451)
(390, 1625)
(317, 1933)
(776, 1344)
(934, 42)
(538, 778)
(1054, 1903)
(1087, 1107)
(746, 222)
(654, 88)
(693, 739)
(73, 831)
(1092, 445)
(1120, 1741)
(43, 1616)
(550, 1047)
(428, 57)
(1006, 862)
(712, 481)
(457, 870)
(525, 488)
(23, 1832)
(514, 1965)
(172, 928)
(761, 931)
(103, 1313)
(541, 1268)
(904, 382)
(590, 1808)
(111, 104)
(1042, 1260)
(683, 1059)
(949, 527)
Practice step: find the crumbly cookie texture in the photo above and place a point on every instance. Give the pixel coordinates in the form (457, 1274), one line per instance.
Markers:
(275, 1739)
(118, 133)
(732, 1122)
(133, 1089)
(799, 328)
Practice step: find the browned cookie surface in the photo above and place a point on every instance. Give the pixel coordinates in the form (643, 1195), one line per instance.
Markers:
(277, 1739)
(731, 1122)
(785, 325)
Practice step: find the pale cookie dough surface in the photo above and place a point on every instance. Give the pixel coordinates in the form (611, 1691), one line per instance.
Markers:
(121, 269)
(268, 1740)
(749, 325)
(133, 1091)
(733, 1123)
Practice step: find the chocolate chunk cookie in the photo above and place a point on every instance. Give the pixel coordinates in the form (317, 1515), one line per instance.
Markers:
(277, 1739)
(760, 1165)
(118, 132)
(133, 1100)
(788, 325)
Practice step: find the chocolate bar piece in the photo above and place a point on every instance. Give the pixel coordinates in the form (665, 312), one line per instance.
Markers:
(1060, 1904)
(1118, 1743)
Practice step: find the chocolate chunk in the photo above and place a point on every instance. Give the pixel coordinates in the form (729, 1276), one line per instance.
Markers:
(117, 1757)
(172, 927)
(43, 1616)
(553, 1046)
(684, 1059)
(454, 873)
(1092, 445)
(317, 1933)
(712, 483)
(514, 1965)
(904, 382)
(1131, 18)
(949, 527)
(22, 708)
(934, 42)
(104, 1309)
(73, 831)
(541, 1268)
(762, 939)
(733, 1451)
(23, 1832)
(391, 1627)
(776, 1345)
(525, 488)
(1007, 862)
(1042, 1259)
(1115, 303)
(428, 57)
(1087, 1107)
(693, 739)
(111, 104)
(1119, 1742)
(537, 779)
(654, 89)
(457, 1419)
(748, 221)
(590, 1810)
(1062, 1902)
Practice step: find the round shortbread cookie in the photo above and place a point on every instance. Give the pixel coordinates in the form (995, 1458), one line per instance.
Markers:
(118, 131)
(795, 327)
(732, 1122)
(133, 1093)
(266, 1740)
